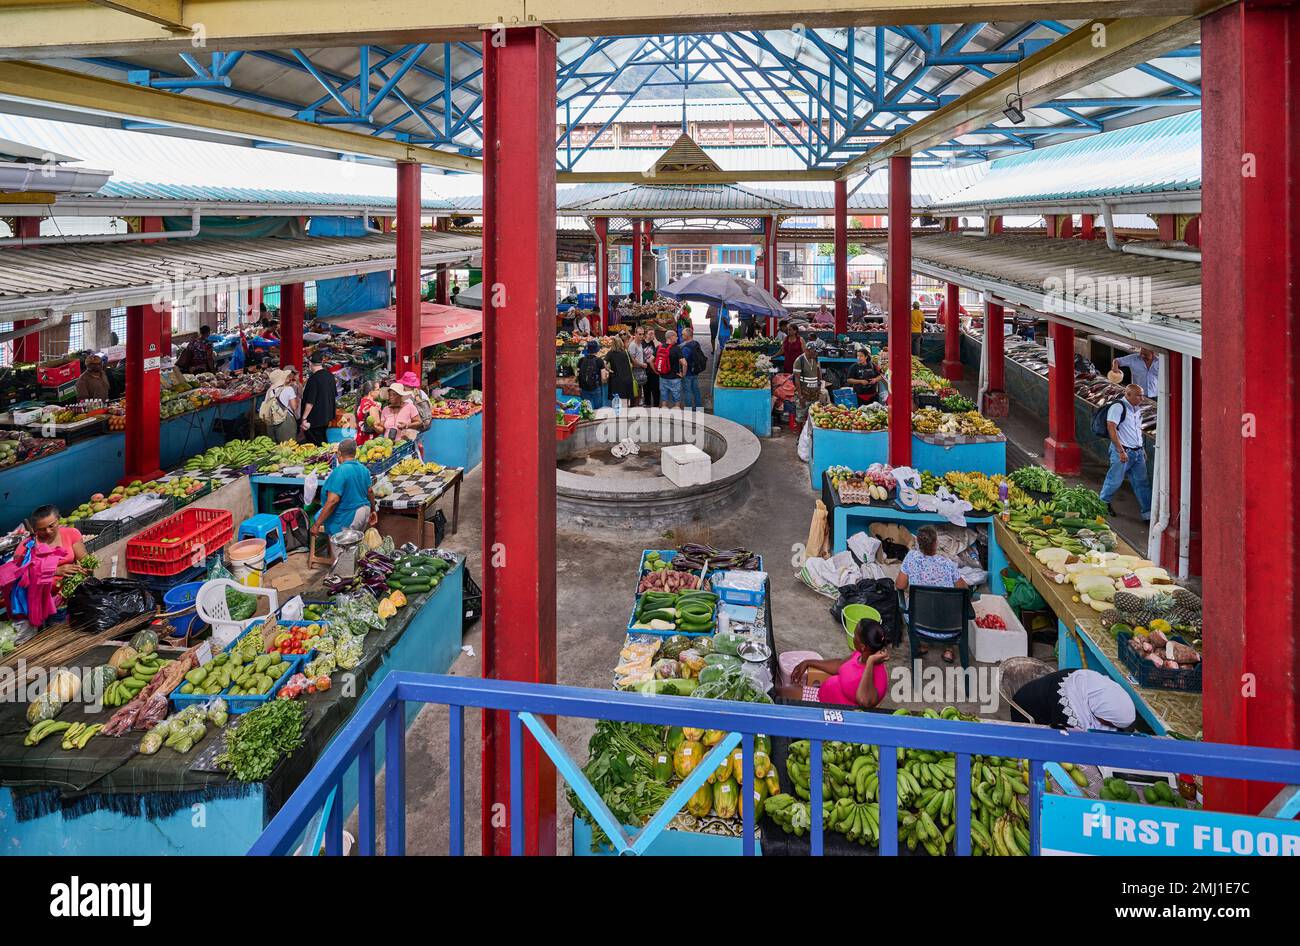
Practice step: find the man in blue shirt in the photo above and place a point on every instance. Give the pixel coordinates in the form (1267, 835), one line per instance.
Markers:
(1144, 371)
(693, 362)
(349, 497)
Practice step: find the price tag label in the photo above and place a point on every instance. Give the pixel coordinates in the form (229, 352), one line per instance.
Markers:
(204, 653)
(832, 716)
(1132, 581)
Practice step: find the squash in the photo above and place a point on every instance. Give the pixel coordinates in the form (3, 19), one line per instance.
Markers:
(126, 654)
(372, 539)
(398, 599)
(387, 609)
(64, 686)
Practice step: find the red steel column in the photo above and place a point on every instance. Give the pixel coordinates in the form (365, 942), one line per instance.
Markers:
(636, 258)
(27, 348)
(1167, 227)
(442, 285)
(144, 391)
(518, 426)
(293, 308)
(1192, 232)
(1061, 449)
(1088, 227)
(408, 268)
(995, 224)
(1169, 539)
(841, 257)
(1194, 540)
(601, 226)
(900, 309)
(1250, 237)
(952, 334)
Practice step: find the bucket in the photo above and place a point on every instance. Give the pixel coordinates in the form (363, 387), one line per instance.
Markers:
(177, 599)
(246, 558)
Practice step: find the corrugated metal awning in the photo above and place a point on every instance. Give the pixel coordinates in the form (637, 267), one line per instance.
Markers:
(91, 276)
(1139, 298)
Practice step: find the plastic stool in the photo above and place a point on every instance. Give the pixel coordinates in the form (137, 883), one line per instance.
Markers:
(266, 527)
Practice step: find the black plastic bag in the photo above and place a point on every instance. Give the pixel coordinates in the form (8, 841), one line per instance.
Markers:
(878, 593)
(102, 603)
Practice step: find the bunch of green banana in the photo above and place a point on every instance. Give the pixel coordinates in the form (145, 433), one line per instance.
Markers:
(857, 821)
(78, 734)
(790, 814)
(46, 727)
(141, 672)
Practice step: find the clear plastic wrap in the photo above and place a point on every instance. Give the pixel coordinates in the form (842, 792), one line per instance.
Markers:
(347, 654)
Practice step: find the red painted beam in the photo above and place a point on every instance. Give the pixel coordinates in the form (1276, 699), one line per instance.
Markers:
(408, 268)
(995, 224)
(1169, 539)
(1167, 227)
(601, 226)
(1088, 227)
(994, 326)
(1194, 541)
(442, 284)
(1192, 232)
(144, 391)
(636, 257)
(1061, 450)
(841, 257)
(1250, 238)
(900, 310)
(518, 426)
(952, 333)
(293, 308)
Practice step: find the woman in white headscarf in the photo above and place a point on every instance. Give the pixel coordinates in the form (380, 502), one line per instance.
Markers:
(1075, 699)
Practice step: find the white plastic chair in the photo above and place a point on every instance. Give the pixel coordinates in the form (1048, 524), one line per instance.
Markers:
(210, 605)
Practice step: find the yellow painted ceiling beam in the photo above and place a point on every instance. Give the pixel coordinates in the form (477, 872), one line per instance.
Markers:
(41, 83)
(1094, 51)
(692, 177)
(166, 13)
(57, 28)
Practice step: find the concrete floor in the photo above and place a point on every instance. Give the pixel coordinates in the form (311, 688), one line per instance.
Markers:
(595, 575)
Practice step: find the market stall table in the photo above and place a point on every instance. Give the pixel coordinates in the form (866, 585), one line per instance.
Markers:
(416, 495)
(108, 800)
(455, 441)
(1085, 643)
(751, 408)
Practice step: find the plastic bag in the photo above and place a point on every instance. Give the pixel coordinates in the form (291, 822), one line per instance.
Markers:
(218, 570)
(217, 712)
(692, 662)
(151, 742)
(8, 637)
(103, 603)
(348, 653)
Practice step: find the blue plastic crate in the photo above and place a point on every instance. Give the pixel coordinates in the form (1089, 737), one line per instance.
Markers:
(737, 595)
(666, 555)
(644, 630)
(243, 704)
(845, 396)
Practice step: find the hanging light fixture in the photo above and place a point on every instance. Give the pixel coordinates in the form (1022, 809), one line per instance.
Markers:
(1015, 104)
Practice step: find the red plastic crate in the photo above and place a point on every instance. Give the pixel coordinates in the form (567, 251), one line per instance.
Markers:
(185, 532)
(565, 430)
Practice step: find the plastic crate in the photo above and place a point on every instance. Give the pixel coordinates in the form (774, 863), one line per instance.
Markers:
(471, 602)
(243, 704)
(187, 532)
(1146, 674)
(846, 397)
(742, 596)
(563, 431)
(636, 604)
(666, 555)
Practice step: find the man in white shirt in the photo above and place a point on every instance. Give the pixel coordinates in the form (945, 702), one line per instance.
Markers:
(1128, 455)
(1144, 371)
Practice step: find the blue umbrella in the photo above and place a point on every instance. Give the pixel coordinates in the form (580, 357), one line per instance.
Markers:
(728, 291)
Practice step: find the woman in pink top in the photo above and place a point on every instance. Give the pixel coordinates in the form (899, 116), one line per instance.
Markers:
(400, 415)
(849, 683)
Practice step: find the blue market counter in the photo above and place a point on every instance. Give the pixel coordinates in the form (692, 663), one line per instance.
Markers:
(859, 449)
(751, 408)
(455, 441)
(226, 817)
(95, 465)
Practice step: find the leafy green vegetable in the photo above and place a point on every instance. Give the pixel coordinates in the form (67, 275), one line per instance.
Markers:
(622, 769)
(732, 684)
(1079, 499)
(1036, 478)
(240, 605)
(262, 738)
(957, 404)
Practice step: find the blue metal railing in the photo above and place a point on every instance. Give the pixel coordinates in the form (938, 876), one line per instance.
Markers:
(525, 703)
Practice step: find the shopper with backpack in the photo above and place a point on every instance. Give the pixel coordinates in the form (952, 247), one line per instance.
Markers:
(592, 375)
(694, 361)
(279, 410)
(1128, 455)
(668, 365)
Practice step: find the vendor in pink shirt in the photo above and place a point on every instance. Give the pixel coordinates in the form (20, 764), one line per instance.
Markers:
(860, 681)
(399, 419)
(30, 578)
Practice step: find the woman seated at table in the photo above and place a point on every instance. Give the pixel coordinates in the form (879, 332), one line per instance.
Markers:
(399, 419)
(924, 565)
(1074, 699)
(30, 578)
(861, 680)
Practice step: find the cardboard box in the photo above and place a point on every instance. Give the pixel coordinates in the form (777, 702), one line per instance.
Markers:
(993, 646)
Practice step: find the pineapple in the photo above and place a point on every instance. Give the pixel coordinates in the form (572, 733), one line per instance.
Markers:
(1157, 606)
(1111, 616)
(1186, 609)
(1131, 608)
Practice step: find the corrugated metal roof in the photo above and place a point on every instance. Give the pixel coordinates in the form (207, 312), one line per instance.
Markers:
(87, 276)
(1149, 299)
(156, 167)
(677, 198)
(1155, 157)
(739, 158)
